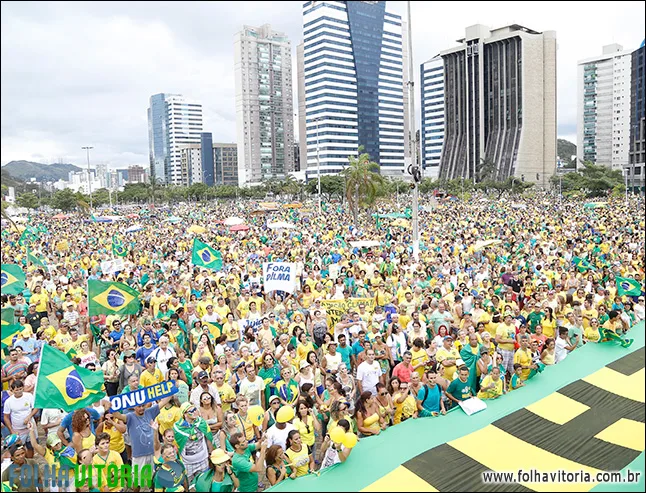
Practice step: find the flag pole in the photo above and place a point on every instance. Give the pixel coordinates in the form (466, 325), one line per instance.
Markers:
(40, 362)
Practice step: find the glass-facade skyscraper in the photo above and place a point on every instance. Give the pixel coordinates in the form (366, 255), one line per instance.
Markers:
(353, 93)
(173, 122)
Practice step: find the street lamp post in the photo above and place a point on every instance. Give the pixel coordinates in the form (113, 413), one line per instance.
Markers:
(626, 178)
(412, 139)
(89, 181)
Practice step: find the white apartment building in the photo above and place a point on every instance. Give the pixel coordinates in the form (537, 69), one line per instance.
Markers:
(432, 102)
(352, 86)
(264, 105)
(191, 159)
(603, 108)
(173, 122)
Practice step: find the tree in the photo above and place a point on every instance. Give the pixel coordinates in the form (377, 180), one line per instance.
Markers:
(486, 170)
(511, 184)
(64, 200)
(594, 180)
(331, 186)
(362, 182)
(153, 186)
(28, 200)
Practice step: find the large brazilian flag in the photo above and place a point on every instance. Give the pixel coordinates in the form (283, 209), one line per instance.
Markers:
(12, 279)
(63, 385)
(9, 329)
(205, 256)
(112, 298)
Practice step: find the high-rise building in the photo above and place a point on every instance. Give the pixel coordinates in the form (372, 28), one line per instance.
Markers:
(225, 163)
(500, 105)
(207, 168)
(264, 106)
(432, 89)
(173, 122)
(603, 108)
(297, 157)
(191, 164)
(136, 174)
(637, 154)
(352, 85)
(102, 174)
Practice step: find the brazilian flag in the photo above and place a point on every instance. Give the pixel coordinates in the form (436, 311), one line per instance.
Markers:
(71, 353)
(205, 256)
(582, 264)
(118, 248)
(32, 259)
(112, 298)
(628, 287)
(63, 385)
(9, 329)
(12, 279)
(29, 235)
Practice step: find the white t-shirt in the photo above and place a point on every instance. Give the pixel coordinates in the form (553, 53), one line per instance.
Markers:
(162, 358)
(369, 375)
(278, 437)
(51, 415)
(251, 390)
(560, 353)
(19, 409)
(198, 391)
(331, 457)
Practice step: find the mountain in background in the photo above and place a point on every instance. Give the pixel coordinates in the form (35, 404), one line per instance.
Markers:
(565, 150)
(25, 170)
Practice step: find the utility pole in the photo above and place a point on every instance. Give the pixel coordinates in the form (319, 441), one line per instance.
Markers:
(414, 169)
(89, 181)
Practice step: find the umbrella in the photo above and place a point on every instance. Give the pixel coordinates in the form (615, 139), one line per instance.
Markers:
(239, 227)
(134, 228)
(294, 205)
(483, 244)
(132, 216)
(196, 229)
(281, 225)
(518, 206)
(174, 219)
(233, 221)
(401, 223)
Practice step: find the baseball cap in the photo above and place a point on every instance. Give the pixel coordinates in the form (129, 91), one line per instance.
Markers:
(53, 440)
(202, 375)
(304, 364)
(151, 359)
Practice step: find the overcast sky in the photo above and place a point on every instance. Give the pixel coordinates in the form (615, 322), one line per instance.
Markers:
(76, 74)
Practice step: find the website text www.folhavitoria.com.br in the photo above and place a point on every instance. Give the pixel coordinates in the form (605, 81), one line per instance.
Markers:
(560, 476)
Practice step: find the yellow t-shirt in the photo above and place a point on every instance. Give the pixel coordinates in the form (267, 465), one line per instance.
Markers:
(226, 392)
(113, 458)
(524, 358)
(592, 334)
(302, 427)
(443, 354)
(147, 379)
(117, 443)
(506, 332)
(231, 330)
(403, 409)
(490, 393)
(592, 313)
(40, 300)
(246, 424)
(300, 460)
(167, 418)
(549, 328)
(419, 357)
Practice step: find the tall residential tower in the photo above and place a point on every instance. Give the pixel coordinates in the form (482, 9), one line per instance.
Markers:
(173, 122)
(352, 86)
(432, 90)
(264, 106)
(603, 108)
(500, 105)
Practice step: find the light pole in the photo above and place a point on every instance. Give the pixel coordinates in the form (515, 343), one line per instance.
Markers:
(318, 162)
(412, 139)
(626, 178)
(89, 181)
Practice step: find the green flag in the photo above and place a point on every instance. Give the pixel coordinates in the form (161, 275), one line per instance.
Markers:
(7, 316)
(63, 385)
(71, 353)
(628, 287)
(582, 264)
(112, 298)
(205, 256)
(12, 279)
(29, 235)
(31, 258)
(9, 329)
(118, 248)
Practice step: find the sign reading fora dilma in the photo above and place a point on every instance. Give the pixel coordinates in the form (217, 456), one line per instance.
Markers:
(279, 276)
(142, 396)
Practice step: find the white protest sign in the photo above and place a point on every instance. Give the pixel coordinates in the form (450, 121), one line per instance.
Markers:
(112, 266)
(335, 269)
(472, 406)
(279, 276)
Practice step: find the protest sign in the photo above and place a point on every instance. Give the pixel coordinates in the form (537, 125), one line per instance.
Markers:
(335, 309)
(472, 406)
(279, 276)
(112, 266)
(142, 396)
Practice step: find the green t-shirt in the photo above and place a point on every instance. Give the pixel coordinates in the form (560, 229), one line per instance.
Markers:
(573, 331)
(534, 319)
(187, 366)
(460, 390)
(515, 381)
(241, 465)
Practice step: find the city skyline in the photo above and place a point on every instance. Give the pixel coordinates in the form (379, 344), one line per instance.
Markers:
(118, 54)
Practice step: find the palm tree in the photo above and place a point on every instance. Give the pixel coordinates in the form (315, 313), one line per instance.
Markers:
(362, 182)
(151, 188)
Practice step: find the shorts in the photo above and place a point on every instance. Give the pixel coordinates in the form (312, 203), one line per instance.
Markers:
(507, 360)
(142, 461)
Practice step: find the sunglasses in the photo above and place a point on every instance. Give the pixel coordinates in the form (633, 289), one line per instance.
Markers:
(192, 410)
(383, 393)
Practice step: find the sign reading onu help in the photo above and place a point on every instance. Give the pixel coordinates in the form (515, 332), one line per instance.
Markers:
(279, 276)
(142, 396)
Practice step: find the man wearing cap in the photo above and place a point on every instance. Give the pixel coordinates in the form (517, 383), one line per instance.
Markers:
(203, 385)
(70, 315)
(447, 356)
(151, 374)
(277, 433)
(194, 440)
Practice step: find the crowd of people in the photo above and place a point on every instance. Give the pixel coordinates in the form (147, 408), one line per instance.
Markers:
(462, 320)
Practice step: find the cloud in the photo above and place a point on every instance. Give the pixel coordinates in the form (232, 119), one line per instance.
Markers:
(75, 74)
